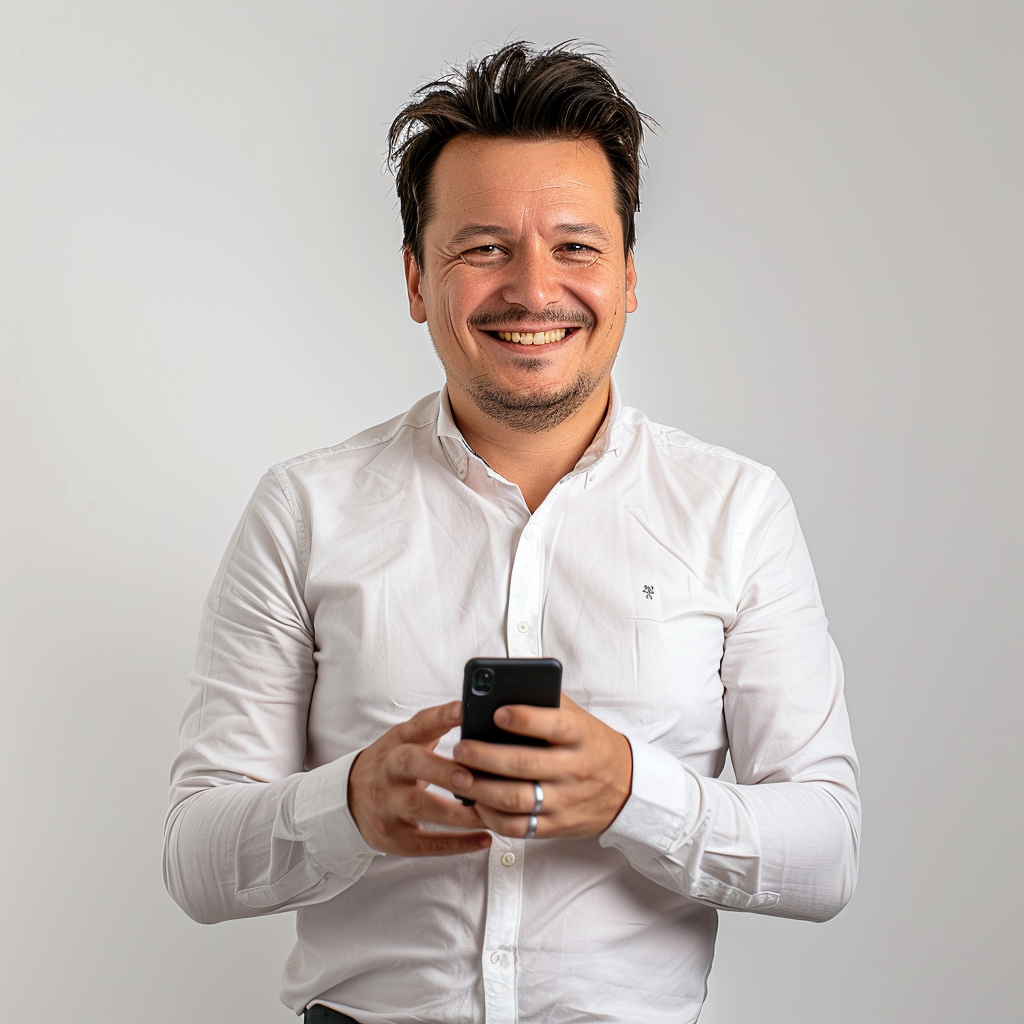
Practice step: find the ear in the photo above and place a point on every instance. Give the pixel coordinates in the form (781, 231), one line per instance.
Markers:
(417, 307)
(630, 284)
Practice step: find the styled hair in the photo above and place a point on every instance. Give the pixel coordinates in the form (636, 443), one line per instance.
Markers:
(517, 92)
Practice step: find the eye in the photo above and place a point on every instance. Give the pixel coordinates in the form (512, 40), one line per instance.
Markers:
(577, 254)
(484, 256)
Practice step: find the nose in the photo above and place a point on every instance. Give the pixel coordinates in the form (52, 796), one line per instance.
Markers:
(533, 280)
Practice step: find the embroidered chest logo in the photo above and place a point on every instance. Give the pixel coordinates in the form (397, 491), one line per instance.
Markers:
(648, 592)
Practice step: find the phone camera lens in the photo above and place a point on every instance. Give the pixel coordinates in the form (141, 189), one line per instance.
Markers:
(483, 681)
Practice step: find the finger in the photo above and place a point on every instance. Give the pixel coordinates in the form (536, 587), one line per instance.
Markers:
(513, 760)
(430, 723)
(412, 762)
(419, 842)
(417, 806)
(555, 725)
(508, 797)
(514, 825)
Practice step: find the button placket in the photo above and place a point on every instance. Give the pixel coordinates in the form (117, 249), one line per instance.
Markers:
(499, 955)
(525, 593)
(501, 935)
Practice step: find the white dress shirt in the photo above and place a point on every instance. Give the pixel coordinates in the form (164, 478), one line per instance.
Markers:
(669, 577)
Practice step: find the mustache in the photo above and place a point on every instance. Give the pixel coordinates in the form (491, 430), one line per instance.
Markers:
(518, 315)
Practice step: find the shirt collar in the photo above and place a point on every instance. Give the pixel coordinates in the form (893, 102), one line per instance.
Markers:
(607, 440)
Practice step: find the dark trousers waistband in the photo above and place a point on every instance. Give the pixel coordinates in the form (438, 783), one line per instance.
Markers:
(325, 1015)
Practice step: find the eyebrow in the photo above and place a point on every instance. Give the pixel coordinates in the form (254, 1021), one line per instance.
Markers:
(472, 231)
(590, 230)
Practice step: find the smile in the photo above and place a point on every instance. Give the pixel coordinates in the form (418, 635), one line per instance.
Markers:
(533, 337)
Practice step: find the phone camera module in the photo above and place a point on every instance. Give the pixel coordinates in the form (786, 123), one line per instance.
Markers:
(483, 682)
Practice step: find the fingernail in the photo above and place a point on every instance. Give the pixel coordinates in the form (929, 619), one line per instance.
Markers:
(461, 779)
(502, 716)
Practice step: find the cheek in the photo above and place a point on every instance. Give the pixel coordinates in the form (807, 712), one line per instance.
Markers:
(458, 305)
(442, 300)
(608, 285)
(452, 320)
(459, 295)
(453, 303)
(604, 299)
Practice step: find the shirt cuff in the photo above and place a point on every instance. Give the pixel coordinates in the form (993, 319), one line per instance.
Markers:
(664, 807)
(322, 816)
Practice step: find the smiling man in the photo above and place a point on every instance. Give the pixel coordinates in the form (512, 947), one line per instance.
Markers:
(522, 512)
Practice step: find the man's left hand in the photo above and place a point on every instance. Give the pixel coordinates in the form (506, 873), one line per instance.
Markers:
(586, 772)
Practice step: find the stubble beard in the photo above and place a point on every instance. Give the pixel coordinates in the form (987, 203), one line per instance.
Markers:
(530, 412)
(527, 411)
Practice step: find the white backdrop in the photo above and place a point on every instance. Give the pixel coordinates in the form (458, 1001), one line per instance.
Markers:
(200, 276)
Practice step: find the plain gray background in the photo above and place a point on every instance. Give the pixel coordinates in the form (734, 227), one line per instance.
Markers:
(200, 276)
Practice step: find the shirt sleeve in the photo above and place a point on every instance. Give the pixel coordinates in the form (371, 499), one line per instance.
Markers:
(784, 838)
(248, 831)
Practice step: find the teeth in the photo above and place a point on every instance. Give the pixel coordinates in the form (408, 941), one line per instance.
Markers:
(537, 338)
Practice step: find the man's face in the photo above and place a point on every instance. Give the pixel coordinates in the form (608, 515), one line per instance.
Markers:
(524, 282)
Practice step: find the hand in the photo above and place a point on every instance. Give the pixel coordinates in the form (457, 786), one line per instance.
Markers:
(586, 772)
(387, 790)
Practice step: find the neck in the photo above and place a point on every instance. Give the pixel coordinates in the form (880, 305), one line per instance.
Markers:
(535, 462)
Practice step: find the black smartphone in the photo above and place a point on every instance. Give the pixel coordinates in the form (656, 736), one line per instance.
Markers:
(490, 683)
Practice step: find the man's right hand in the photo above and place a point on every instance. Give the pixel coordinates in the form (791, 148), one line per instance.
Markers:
(387, 791)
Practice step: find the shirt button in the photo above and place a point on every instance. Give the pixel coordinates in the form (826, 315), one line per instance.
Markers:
(523, 627)
(496, 958)
(528, 533)
(508, 859)
(592, 477)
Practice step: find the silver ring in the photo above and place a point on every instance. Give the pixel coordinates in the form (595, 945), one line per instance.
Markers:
(531, 827)
(538, 799)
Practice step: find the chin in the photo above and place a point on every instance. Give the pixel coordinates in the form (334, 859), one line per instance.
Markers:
(532, 410)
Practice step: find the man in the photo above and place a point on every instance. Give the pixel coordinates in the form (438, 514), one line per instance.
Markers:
(522, 512)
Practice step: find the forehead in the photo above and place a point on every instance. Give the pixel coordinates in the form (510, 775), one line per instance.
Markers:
(509, 179)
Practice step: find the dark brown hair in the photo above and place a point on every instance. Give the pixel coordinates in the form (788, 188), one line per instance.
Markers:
(517, 92)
